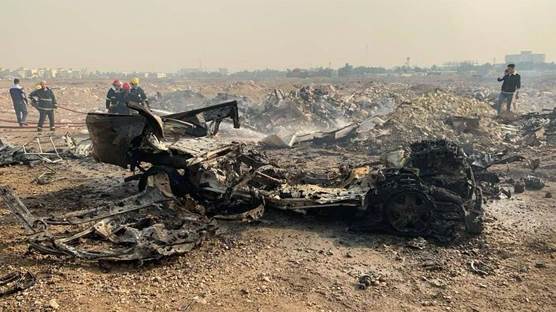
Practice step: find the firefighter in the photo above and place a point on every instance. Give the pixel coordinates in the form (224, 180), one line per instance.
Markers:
(44, 100)
(136, 94)
(123, 95)
(113, 95)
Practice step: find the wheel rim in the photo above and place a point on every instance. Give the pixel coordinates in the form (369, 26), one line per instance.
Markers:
(409, 213)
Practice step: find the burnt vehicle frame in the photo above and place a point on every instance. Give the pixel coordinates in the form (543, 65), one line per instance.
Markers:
(433, 193)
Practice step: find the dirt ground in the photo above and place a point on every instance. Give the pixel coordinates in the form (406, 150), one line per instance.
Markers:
(287, 261)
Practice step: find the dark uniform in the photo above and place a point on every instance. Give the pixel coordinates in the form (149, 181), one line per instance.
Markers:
(121, 106)
(19, 100)
(112, 99)
(136, 94)
(45, 102)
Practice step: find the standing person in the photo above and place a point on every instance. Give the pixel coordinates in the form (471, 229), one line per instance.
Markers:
(510, 88)
(113, 95)
(45, 101)
(136, 94)
(123, 96)
(19, 99)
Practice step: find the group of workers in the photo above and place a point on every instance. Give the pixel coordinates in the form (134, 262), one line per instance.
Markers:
(120, 95)
(44, 101)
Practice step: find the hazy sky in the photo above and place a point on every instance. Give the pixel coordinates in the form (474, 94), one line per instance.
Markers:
(167, 35)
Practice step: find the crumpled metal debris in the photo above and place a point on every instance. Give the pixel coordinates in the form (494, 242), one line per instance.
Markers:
(128, 240)
(341, 135)
(434, 194)
(140, 227)
(78, 148)
(11, 155)
(533, 183)
(16, 281)
(368, 279)
(480, 268)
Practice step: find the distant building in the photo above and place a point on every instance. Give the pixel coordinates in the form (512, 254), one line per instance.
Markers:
(527, 57)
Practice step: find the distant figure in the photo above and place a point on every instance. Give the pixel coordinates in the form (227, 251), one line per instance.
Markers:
(136, 94)
(19, 100)
(123, 96)
(43, 99)
(510, 87)
(113, 95)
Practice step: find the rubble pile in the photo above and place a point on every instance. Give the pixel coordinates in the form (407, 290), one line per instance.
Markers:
(431, 116)
(308, 107)
(531, 129)
(531, 99)
(323, 107)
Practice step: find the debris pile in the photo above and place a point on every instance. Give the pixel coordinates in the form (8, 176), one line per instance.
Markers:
(43, 149)
(321, 107)
(12, 155)
(431, 116)
(141, 227)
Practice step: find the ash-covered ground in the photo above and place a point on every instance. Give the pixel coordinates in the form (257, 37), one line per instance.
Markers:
(292, 262)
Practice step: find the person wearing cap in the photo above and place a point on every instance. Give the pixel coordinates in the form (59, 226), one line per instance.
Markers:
(19, 99)
(136, 94)
(44, 100)
(113, 95)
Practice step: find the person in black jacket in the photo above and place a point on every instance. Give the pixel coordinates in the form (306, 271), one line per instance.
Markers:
(45, 101)
(136, 94)
(510, 88)
(123, 96)
(113, 95)
(19, 99)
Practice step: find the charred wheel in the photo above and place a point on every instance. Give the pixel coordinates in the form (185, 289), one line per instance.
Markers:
(402, 203)
(409, 212)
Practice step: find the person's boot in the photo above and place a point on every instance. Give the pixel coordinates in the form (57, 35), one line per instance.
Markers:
(39, 129)
(52, 129)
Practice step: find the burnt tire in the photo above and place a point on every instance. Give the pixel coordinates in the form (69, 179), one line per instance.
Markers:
(401, 203)
(443, 164)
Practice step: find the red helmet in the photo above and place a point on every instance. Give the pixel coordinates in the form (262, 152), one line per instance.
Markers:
(126, 86)
(116, 83)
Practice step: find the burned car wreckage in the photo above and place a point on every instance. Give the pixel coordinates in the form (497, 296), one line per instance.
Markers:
(187, 178)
